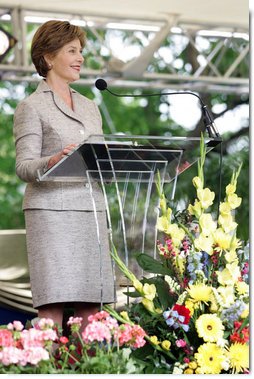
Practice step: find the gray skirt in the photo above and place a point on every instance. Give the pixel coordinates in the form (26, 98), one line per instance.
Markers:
(67, 261)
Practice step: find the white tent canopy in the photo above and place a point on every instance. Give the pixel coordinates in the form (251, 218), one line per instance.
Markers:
(225, 13)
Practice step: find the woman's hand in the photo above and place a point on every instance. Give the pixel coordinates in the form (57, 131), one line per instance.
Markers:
(56, 158)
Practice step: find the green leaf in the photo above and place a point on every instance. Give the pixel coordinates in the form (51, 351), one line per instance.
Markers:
(162, 288)
(143, 352)
(151, 265)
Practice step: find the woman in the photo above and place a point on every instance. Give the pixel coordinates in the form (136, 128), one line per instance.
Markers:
(63, 252)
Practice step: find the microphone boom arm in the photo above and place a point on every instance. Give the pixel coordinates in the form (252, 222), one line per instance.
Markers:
(101, 84)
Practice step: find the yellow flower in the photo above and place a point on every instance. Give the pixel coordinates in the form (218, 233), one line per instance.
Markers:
(149, 305)
(229, 275)
(227, 294)
(190, 305)
(231, 256)
(166, 344)
(163, 205)
(137, 285)
(125, 315)
(238, 355)
(224, 277)
(242, 287)
(197, 182)
(180, 263)
(199, 292)
(235, 243)
(204, 243)
(188, 371)
(222, 239)
(210, 358)
(234, 270)
(214, 306)
(163, 224)
(234, 201)
(230, 189)
(225, 208)
(207, 224)
(154, 340)
(195, 209)
(206, 197)
(193, 365)
(149, 291)
(209, 327)
(227, 222)
(177, 234)
(245, 312)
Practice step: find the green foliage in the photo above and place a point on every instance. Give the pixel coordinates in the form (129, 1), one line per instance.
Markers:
(149, 264)
(11, 216)
(138, 116)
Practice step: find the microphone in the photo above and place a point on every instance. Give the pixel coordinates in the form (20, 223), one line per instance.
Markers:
(102, 85)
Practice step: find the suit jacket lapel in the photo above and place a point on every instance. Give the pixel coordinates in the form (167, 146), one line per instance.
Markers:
(67, 110)
(43, 87)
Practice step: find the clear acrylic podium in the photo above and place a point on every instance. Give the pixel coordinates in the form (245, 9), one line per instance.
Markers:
(126, 168)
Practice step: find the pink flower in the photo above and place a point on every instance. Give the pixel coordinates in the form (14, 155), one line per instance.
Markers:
(35, 338)
(98, 316)
(48, 335)
(131, 335)
(6, 338)
(35, 355)
(96, 331)
(180, 343)
(18, 325)
(45, 323)
(75, 320)
(10, 355)
(105, 318)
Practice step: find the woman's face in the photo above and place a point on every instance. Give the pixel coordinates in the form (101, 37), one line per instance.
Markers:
(66, 64)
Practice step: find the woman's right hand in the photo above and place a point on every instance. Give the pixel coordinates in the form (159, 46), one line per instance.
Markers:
(57, 157)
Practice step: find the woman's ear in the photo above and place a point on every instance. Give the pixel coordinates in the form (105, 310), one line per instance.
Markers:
(48, 60)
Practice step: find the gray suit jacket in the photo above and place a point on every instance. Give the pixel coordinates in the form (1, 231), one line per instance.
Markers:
(43, 126)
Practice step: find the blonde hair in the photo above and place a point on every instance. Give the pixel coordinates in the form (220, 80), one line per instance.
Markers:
(50, 38)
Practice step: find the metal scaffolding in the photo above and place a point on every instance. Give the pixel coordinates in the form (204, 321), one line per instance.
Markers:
(160, 53)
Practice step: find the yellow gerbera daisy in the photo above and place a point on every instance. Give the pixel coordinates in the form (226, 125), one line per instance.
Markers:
(238, 355)
(210, 358)
(209, 327)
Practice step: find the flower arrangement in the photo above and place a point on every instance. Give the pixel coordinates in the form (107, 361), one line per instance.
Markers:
(190, 315)
(195, 306)
(103, 347)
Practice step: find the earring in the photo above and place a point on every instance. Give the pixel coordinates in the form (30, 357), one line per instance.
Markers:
(50, 66)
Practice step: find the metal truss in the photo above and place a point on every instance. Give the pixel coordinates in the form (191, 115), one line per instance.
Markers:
(163, 53)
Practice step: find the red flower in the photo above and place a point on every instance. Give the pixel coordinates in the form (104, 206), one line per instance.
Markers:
(183, 311)
(243, 336)
(64, 340)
